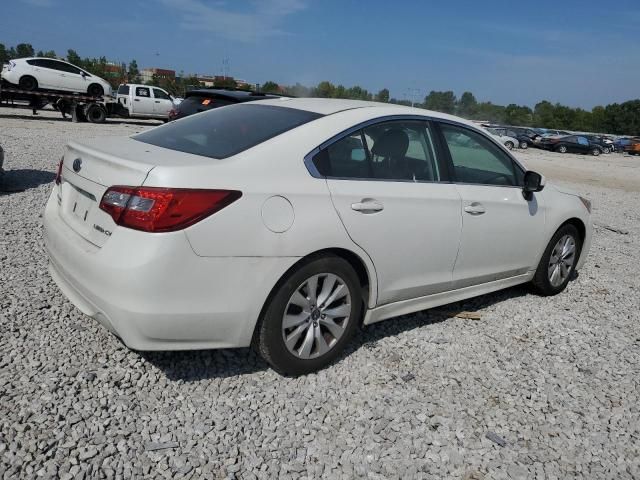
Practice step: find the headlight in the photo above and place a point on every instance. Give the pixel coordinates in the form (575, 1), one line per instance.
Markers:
(586, 203)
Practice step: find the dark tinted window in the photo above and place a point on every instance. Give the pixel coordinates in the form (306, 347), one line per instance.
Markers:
(123, 90)
(143, 92)
(157, 93)
(35, 63)
(52, 64)
(223, 132)
(65, 67)
(476, 159)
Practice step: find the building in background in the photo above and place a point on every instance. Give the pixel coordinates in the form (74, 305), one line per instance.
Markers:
(147, 74)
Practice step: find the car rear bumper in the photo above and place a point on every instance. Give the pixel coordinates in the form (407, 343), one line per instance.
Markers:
(154, 292)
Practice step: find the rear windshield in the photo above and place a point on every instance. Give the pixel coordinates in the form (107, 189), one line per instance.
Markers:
(223, 132)
(123, 89)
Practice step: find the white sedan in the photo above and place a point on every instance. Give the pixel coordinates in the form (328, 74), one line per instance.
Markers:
(286, 224)
(52, 74)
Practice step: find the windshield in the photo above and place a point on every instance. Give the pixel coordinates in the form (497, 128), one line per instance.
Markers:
(226, 131)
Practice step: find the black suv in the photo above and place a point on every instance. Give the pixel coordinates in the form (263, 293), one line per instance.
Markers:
(204, 99)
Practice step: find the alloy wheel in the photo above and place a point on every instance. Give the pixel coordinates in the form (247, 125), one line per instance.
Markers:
(561, 260)
(316, 316)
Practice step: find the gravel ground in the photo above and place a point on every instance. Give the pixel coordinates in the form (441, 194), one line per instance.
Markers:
(537, 388)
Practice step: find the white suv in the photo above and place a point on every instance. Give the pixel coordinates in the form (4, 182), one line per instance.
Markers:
(51, 74)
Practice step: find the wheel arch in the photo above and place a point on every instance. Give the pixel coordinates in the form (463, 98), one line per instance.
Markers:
(368, 281)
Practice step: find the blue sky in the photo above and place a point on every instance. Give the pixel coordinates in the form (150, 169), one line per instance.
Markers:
(580, 53)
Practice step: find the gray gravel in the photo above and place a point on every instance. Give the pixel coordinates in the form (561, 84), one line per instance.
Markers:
(537, 388)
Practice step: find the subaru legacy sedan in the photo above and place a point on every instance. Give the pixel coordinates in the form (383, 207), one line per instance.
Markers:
(286, 224)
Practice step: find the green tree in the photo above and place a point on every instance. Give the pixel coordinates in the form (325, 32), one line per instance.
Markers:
(4, 54)
(467, 105)
(47, 54)
(325, 90)
(133, 73)
(73, 57)
(440, 101)
(270, 87)
(382, 96)
(517, 115)
(225, 82)
(24, 50)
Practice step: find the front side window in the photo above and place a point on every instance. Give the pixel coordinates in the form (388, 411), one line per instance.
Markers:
(123, 90)
(160, 94)
(583, 141)
(65, 67)
(396, 150)
(142, 92)
(477, 160)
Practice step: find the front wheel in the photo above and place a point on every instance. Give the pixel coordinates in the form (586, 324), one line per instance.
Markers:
(524, 145)
(558, 261)
(310, 316)
(509, 145)
(561, 149)
(595, 152)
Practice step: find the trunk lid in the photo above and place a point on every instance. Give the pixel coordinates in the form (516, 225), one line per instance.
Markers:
(89, 169)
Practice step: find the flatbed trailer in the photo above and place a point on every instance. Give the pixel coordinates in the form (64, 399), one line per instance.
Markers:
(81, 107)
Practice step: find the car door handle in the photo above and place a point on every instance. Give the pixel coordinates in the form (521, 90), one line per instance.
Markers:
(136, 99)
(367, 205)
(157, 101)
(475, 209)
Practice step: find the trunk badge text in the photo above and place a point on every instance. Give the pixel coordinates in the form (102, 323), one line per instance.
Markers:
(102, 230)
(77, 165)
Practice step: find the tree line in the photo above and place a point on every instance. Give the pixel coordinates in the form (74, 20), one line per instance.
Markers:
(617, 118)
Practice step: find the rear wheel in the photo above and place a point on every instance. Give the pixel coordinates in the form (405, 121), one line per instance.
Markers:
(310, 317)
(28, 83)
(524, 145)
(509, 145)
(561, 149)
(595, 152)
(95, 90)
(95, 113)
(607, 150)
(558, 261)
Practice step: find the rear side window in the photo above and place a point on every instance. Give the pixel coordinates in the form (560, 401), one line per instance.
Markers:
(396, 150)
(142, 92)
(123, 90)
(224, 132)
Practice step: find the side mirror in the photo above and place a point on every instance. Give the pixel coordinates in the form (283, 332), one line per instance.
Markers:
(533, 182)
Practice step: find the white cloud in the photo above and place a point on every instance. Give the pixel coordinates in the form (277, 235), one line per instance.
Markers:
(261, 20)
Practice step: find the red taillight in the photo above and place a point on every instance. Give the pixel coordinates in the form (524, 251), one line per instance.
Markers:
(59, 172)
(154, 209)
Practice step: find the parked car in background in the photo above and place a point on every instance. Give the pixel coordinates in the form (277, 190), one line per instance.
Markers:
(548, 132)
(204, 99)
(51, 74)
(526, 137)
(607, 146)
(145, 101)
(268, 224)
(633, 147)
(571, 144)
(501, 136)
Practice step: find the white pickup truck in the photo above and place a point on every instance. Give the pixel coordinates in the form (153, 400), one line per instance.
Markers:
(145, 101)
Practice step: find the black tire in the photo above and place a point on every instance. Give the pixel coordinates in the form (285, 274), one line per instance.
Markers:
(541, 282)
(95, 114)
(28, 83)
(268, 338)
(607, 150)
(509, 145)
(561, 149)
(95, 90)
(595, 152)
(524, 145)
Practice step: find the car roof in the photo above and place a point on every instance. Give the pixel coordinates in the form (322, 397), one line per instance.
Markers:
(330, 106)
(237, 94)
